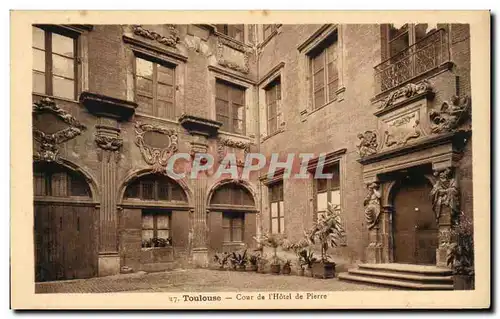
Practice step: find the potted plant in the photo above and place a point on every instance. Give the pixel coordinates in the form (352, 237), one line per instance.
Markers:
(287, 268)
(305, 257)
(273, 241)
(261, 264)
(327, 232)
(221, 259)
(306, 261)
(460, 254)
(254, 262)
(239, 260)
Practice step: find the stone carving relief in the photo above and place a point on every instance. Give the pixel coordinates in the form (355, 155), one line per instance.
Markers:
(372, 205)
(109, 142)
(445, 193)
(49, 141)
(232, 55)
(224, 143)
(367, 144)
(402, 129)
(451, 115)
(156, 152)
(406, 92)
(171, 39)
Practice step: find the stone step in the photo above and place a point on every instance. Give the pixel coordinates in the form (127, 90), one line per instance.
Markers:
(424, 270)
(394, 283)
(410, 277)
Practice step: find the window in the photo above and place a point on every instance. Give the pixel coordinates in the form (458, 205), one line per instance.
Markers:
(235, 31)
(324, 72)
(54, 66)
(230, 107)
(328, 189)
(156, 227)
(153, 187)
(402, 37)
(232, 225)
(273, 100)
(269, 29)
(232, 194)
(155, 88)
(53, 180)
(277, 209)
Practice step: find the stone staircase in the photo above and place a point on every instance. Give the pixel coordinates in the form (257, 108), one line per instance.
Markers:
(402, 276)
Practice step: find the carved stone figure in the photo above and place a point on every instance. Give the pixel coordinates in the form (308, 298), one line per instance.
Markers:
(445, 193)
(372, 205)
(451, 114)
(368, 143)
(407, 91)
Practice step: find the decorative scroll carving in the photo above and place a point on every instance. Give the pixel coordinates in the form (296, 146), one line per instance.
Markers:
(108, 141)
(154, 155)
(398, 133)
(224, 61)
(49, 141)
(170, 39)
(445, 193)
(406, 92)
(222, 143)
(368, 143)
(372, 205)
(451, 114)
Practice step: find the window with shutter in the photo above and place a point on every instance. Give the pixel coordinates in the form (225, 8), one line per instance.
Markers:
(230, 107)
(276, 204)
(327, 190)
(324, 72)
(273, 100)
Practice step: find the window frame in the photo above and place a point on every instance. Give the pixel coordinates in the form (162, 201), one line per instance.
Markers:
(156, 190)
(48, 30)
(410, 32)
(155, 62)
(274, 85)
(155, 214)
(281, 199)
(233, 215)
(324, 49)
(69, 176)
(231, 86)
(228, 30)
(330, 188)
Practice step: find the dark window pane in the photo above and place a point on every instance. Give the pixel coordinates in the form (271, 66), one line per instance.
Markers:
(399, 44)
(63, 87)
(62, 45)
(222, 91)
(395, 31)
(319, 98)
(133, 190)
(79, 186)
(319, 80)
(39, 184)
(319, 62)
(148, 190)
(321, 185)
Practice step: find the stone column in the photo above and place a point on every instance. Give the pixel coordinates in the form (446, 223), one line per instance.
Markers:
(374, 249)
(109, 143)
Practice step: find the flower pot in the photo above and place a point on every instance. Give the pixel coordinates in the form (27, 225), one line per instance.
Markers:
(463, 282)
(324, 269)
(308, 272)
(301, 272)
(286, 270)
(275, 269)
(253, 268)
(240, 268)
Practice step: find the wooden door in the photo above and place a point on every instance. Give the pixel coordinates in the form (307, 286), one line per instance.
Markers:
(65, 241)
(415, 228)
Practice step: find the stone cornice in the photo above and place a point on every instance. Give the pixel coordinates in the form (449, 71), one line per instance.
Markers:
(106, 106)
(271, 72)
(141, 44)
(330, 158)
(198, 125)
(316, 37)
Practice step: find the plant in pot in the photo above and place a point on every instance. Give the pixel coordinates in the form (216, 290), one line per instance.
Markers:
(305, 257)
(327, 232)
(239, 260)
(221, 259)
(273, 241)
(460, 254)
(254, 259)
(287, 267)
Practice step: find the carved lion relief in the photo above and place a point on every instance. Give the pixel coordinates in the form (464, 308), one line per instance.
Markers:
(157, 144)
(49, 133)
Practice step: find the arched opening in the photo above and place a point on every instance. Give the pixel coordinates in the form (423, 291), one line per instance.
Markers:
(154, 223)
(415, 227)
(65, 220)
(232, 217)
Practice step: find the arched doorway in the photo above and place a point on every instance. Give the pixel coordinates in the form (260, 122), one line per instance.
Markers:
(232, 217)
(66, 223)
(154, 223)
(414, 225)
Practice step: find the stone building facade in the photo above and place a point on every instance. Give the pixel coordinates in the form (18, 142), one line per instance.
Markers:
(388, 106)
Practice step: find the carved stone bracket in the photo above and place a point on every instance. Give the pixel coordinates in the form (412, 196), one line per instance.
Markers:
(49, 141)
(109, 142)
(372, 205)
(171, 39)
(367, 144)
(223, 60)
(445, 193)
(450, 115)
(405, 93)
(156, 150)
(224, 143)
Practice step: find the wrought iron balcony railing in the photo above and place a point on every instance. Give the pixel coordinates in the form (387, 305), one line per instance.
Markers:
(423, 56)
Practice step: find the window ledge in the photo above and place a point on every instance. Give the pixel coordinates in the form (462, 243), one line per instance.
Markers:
(280, 130)
(55, 97)
(266, 40)
(339, 96)
(156, 248)
(234, 135)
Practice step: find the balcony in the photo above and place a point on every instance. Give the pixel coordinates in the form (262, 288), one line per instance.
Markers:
(422, 57)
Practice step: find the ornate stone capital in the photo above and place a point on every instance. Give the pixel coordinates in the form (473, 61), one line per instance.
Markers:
(224, 143)
(171, 39)
(68, 128)
(445, 193)
(367, 144)
(156, 144)
(372, 205)
(451, 115)
(109, 142)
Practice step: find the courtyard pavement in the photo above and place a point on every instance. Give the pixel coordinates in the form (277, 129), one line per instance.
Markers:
(198, 280)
